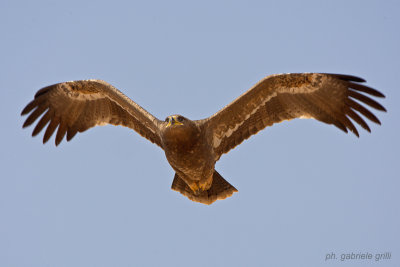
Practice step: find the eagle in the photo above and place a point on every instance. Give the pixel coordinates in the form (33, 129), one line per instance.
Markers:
(192, 147)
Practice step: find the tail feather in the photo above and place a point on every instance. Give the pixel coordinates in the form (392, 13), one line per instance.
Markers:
(220, 189)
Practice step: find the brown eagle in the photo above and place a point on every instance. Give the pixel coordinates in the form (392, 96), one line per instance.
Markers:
(193, 147)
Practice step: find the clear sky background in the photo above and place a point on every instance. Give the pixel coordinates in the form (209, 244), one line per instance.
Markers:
(306, 189)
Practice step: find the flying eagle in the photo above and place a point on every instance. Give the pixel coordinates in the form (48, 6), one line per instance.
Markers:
(193, 147)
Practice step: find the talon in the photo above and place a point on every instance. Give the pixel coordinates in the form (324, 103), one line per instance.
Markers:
(195, 188)
(204, 187)
(198, 188)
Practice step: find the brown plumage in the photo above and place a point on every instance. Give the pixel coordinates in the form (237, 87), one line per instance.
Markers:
(193, 147)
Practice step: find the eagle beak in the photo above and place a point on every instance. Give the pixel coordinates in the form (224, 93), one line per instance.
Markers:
(173, 121)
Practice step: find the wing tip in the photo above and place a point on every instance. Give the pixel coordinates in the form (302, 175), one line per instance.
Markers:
(26, 124)
(346, 77)
(44, 90)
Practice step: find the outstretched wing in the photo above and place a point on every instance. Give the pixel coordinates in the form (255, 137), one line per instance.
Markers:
(79, 105)
(329, 98)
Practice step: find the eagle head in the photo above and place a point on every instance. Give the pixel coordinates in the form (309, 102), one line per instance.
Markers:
(179, 130)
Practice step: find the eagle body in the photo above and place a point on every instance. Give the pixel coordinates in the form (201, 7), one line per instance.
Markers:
(192, 147)
(189, 153)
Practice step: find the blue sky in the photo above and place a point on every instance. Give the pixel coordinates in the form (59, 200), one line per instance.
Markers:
(305, 189)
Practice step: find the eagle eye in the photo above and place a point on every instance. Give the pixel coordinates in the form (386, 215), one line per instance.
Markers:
(180, 119)
(167, 119)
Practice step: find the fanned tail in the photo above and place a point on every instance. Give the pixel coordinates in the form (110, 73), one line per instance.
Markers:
(220, 189)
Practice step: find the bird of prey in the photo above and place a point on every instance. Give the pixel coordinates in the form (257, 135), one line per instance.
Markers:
(192, 147)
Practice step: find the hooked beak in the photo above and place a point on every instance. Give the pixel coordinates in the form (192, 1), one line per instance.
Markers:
(173, 121)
